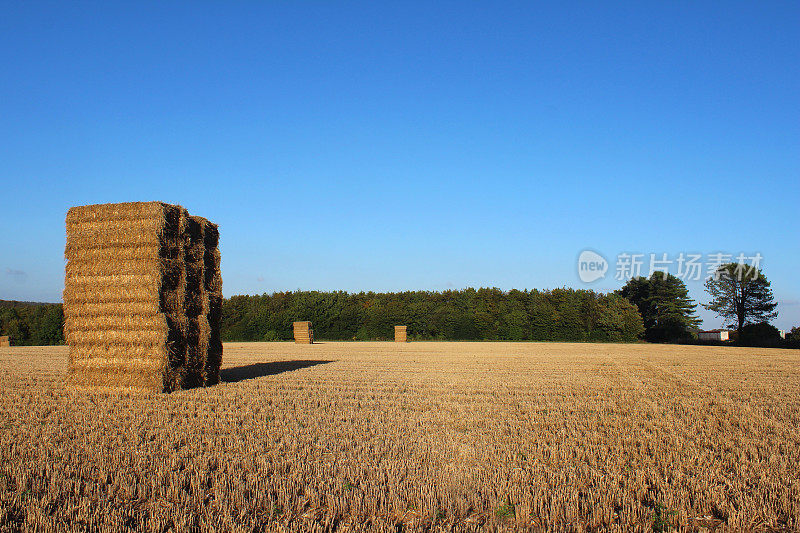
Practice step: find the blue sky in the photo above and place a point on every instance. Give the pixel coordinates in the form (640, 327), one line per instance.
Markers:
(392, 146)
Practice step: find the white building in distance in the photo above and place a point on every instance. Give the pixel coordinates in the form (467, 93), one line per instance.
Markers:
(714, 335)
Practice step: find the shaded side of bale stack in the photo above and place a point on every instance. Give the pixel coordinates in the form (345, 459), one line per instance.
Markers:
(124, 292)
(5, 342)
(212, 279)
(400, 334)
(303, 334)
(136, 305)
(196, 303)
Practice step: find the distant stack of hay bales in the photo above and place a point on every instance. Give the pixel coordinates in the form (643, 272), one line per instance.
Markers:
(303, 334)
(5, 342)
(400, 334)
(138, 308)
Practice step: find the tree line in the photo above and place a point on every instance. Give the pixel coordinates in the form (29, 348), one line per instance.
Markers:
(468, 314)
(656, 309)
(32, 324)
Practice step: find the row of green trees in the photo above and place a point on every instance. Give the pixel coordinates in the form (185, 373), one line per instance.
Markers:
(468, 314)
(657, 309)
(29, 324)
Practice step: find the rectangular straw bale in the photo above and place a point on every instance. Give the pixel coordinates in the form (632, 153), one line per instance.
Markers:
(114, 309)
(5, 342)
(400, 334)
(115, 212)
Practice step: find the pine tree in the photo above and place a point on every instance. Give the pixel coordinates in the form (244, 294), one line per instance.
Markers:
(665, 306)
(740, 294)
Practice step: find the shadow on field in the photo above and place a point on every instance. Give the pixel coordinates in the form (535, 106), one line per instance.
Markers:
(257, 370)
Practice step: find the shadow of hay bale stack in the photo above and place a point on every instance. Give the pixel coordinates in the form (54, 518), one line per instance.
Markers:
(142, 297)
(400, 334)
(303, 334)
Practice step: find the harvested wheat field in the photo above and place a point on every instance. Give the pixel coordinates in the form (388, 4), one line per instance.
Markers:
(420, 436)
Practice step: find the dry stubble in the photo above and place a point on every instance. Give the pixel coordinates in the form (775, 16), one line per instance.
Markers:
(438, 436)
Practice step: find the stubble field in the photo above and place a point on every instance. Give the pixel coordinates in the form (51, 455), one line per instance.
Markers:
(418, 436)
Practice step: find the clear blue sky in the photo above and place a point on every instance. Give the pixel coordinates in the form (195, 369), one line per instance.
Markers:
(391, 146)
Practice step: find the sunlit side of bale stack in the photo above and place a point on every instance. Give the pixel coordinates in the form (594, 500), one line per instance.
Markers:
(134, 305)
(400, 334)
(303, 334)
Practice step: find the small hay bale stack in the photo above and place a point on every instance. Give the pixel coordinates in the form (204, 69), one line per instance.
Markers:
(303, 334)
(134, 311)
(400, 334)
(5, 342)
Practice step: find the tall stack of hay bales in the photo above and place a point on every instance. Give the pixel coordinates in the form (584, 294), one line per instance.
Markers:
(136, 308)
(400, 334)
(303, 334)
(5, 342)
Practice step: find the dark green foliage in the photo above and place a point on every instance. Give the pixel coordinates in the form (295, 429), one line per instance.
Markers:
(662, 518)
(506, 510)
(32, 324)
(741, 295)
(761, 334)
(665, 306)
(469, 314)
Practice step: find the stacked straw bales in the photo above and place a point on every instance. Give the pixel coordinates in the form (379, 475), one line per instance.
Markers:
(142, 297)
(400, 334)
(5, 342)
(303, 334)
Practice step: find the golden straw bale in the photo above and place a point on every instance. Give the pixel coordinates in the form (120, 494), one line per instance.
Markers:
(120, 255)
(144, 379)
(123, 322)
(118, 211)
(117, 336)
(119, 352)
(99, 266)
(109, 295)
(133, 308)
